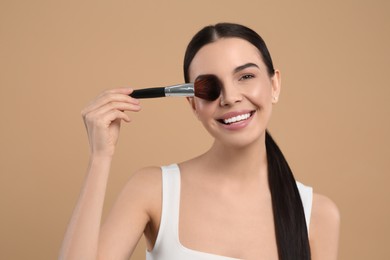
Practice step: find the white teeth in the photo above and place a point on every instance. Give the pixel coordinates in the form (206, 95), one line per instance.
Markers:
(236, 118)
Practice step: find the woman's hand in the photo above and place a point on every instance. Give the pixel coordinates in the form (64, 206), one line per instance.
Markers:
(102, 118)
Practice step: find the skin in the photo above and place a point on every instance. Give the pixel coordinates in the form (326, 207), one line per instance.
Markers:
(228, 183)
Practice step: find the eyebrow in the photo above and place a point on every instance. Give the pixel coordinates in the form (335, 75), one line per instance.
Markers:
(247, 65)
(237, 69)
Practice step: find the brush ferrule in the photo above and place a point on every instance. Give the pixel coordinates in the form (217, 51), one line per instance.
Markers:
(182, 90)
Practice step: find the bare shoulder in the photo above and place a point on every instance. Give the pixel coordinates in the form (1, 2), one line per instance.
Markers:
(148, 175)
(324, 228)
(324, 210)
(141, 193)
(145, 182)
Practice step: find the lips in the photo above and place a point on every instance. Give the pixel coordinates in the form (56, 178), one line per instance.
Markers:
(235, 117)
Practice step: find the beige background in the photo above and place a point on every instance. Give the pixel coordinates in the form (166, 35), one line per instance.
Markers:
(332, 121)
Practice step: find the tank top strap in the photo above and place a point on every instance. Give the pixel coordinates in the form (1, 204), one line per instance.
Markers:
(169, 223)
(306, 193)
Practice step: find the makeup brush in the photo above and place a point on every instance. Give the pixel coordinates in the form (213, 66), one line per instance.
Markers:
(206, 87)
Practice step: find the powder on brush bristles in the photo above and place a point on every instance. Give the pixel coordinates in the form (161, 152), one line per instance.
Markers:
(207, 87)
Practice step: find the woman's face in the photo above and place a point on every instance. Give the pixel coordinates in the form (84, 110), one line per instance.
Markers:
(241, 114)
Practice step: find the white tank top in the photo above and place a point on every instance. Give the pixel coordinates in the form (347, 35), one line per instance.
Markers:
(168, 246)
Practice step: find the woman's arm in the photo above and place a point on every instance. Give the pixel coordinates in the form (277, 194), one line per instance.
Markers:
(138, 206)
(102, 118)
(81, 237)
(324, 229)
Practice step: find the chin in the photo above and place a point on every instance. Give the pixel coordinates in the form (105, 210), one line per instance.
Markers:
(242, 141)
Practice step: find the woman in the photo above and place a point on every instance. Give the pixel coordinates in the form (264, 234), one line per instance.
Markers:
(238, 200)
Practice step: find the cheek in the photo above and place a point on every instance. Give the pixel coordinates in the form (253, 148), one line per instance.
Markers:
(204, 109)
(260, 95)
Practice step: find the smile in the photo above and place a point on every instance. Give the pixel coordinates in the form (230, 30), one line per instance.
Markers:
(236, 119)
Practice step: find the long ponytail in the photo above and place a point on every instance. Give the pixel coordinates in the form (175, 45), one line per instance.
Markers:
(289, 217)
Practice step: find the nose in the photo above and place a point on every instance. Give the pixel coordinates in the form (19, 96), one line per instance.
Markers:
(230, 95)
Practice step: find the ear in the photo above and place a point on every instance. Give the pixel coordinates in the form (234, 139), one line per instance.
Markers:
(191, 101)
(276, 81)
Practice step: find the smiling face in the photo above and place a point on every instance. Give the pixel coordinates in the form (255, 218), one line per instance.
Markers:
(240, 115)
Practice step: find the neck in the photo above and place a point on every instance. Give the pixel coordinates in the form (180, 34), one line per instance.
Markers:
(240, 162)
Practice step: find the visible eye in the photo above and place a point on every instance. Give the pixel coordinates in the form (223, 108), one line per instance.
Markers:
(247, 76)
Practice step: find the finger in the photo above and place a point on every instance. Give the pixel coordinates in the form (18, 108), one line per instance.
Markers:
(121, 106)
(104, 120)
(109, 98)
(113, 115)
(121, 91)
(125, 91)
(118, 116)
(98, 114)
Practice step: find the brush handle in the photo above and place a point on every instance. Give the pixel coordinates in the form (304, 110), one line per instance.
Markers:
(148, 93)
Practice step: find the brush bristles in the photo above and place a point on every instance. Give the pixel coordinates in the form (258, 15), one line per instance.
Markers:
(207, 87)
